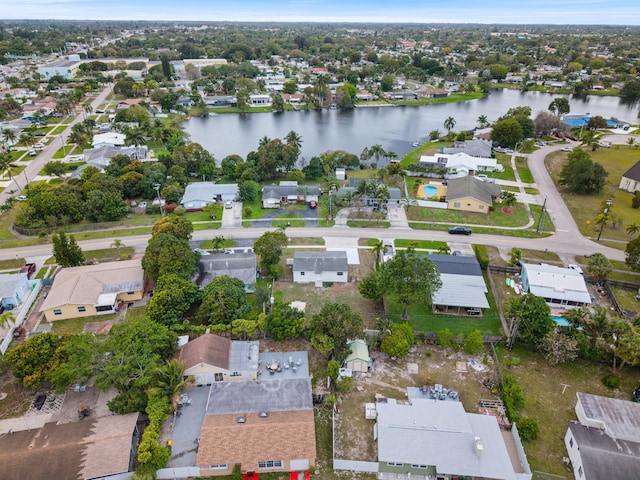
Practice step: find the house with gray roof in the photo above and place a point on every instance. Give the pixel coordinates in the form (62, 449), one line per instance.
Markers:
(630, 181)
(235, 265)
(558, 286)
(438, 439)
(471, 194)
(463, 288)
(14, 288)
(605, 442)
(473, 148)
(100, 157)
(320, 267)
(273, 196)
(200, 194)
(395, 195)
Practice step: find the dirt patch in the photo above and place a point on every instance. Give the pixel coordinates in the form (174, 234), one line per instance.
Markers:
(507, 210)
(425, 365)
(17, 400)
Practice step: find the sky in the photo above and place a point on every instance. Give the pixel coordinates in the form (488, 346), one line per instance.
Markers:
(557, 12)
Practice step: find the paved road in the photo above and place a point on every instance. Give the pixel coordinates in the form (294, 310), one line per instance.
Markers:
(35, 166)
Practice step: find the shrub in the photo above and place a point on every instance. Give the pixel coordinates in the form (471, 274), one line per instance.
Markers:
(481, 255)
(528, 428)
(611, 381)
(635, 201)
(248, 211)
(444, 338)
(512, 396)
(473, 343)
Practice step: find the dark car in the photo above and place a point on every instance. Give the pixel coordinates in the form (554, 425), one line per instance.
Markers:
(460, 231)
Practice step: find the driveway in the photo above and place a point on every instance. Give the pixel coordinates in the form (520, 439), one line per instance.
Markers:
(185, 432)
(232, 217)
(310, 216)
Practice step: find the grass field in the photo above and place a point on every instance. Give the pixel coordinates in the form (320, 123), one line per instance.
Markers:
(517, 218)
(585, 208)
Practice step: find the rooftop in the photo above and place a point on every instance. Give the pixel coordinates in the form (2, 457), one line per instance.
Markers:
(333, 261)
(621, 418)
(8, 283)
(549, 281)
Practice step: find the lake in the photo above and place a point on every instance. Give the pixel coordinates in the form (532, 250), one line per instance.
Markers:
(395, 128)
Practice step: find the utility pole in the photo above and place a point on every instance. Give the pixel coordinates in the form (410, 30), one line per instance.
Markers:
(156, 187)
(604, 218)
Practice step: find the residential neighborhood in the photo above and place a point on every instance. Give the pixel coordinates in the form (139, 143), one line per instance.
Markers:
(304, 251)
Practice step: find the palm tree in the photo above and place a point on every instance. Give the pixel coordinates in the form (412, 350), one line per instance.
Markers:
(509, 199)
(391, 156)
(449, 123)
(264, 141)
(407, 202)
(633, 228)
(631, 141)
(117, 244)
(134, 137)
(171, 381)
(9, 135)
(6, 164)
(7, 317)
(483, 122)
(378, 248)
(217, 243)
(294, 138)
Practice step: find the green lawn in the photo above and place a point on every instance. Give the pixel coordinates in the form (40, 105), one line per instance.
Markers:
(58, 130)
(288, 223)
(585, 208)
(76, 325)
(523, 170)
(518, 217)
(423, 244)
(11, 263)
(508, 173)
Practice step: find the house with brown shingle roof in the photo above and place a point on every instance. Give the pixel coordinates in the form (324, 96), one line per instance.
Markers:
(211, 358)
(91, 290)
(83, 450)
(471, 194)
(630, 181)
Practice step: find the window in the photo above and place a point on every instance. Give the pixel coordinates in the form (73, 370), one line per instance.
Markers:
(235, 374)
(480, 207)
(571, 442)
(270, 464)
(340, 274)
(82, 309)
(415, 465)
(301, 273)
(131, 293)
(456, 204)
(57, 311)
(580, 471)
(218, 466)
(394, 464)
(218, 377)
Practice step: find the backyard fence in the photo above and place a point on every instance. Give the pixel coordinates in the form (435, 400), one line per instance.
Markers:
(24, 311)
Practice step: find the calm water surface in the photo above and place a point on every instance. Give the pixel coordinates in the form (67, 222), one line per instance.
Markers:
(395, 128)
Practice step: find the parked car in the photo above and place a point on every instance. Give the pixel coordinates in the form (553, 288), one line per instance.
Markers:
(460, 231)
(473, 311)
(201, 251)
(312, 204)
(567, 149)
(21, 198)
(40, 134)
(29, 269)
(228, 204)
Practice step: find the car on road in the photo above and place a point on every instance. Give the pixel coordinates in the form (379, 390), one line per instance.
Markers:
(577, 268)
(228, 251)
(201, 251)
(228, 204)
(541, 143)
(567, 149)
(508, 150)
(41, 134)
(460, 231)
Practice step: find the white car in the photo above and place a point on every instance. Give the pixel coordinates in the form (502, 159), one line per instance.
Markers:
(567, 149)
(21, 198)
(201, 251)
(577, 268)
(228, 204)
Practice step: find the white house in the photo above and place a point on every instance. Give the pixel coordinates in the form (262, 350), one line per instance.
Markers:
(109, 138)
(260, 99)
(559, 286)
(630, 181)
(605, 442)
(459, 164)
(320, 267)
(199, 194)
(273, 196)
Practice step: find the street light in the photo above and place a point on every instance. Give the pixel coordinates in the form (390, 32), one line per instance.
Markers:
(156, 187)
(542, 214)
(604, 218)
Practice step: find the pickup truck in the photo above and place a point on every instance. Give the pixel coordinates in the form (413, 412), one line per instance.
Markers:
(29, 269)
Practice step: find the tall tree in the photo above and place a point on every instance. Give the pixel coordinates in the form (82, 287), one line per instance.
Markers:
(223, 300)
(171, 381)
(332, 327)
(582, 175)
(65, 250)
(560, 106)
(533, 317)
(269, 248)
(449, 123)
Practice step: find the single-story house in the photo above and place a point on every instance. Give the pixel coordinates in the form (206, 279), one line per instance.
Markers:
(605, 442)
(14, 288)
(293, 98)
(88, 449)
(273, 196)
(395, 195)
(630, 181)
(265, 425)
(235, 265)
(200, 194)
(320, 267)
(433, 93)
(211, 358)
(461, 163)
(109, 138)
(259, 99)
(91, 290)
(559, 286)
(358, 359)
(101, 156)
(366, 96)
(220, 101)
(471, 194)
(463, 287)
(438, 439)
(474, 148)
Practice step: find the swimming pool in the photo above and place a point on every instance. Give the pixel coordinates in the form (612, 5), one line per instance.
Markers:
(560, 320)
(579, 121)
(430, 191)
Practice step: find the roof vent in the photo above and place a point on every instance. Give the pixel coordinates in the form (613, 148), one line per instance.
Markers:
(263, 415)
(478, 446)
(241, 420)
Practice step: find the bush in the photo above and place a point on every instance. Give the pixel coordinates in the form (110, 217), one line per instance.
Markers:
(444, 338)
(611, 381)
(635, 201)
(512, 396)
(481, 255)
(248, 211)
(528, 428)
(473, 343)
